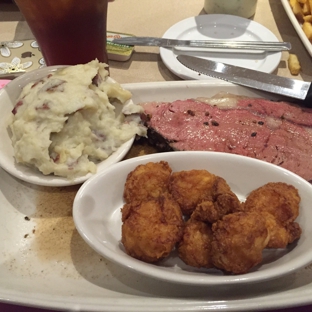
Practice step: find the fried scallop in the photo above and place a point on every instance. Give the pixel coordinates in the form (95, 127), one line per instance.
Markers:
(223, 201)
(277, 198)
(189, 188)
(280, 236)
(195, 246)
(238, 241)
(151, 228)
(221, 232)
(147, 181)
(294, 231)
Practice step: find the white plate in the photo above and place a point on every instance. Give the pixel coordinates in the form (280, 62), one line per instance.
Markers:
(54, 268)
(100, 226)
(297, 26)
(8, 96)
(223, 27)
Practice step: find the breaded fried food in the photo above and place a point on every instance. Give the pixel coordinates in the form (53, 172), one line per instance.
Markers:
(195, 247)
(238, 241)
(294, 231)
(147, 181)
(280, 236)
(223, 202)
(293, 63)
(279, 199)
(151, 228)
(189, 188)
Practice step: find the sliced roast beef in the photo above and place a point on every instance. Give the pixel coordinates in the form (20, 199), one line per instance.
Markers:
(277, 132)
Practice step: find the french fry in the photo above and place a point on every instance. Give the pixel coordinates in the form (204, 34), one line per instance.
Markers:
(302, 10)
(310, 5)
(292, 3)
(298, 11)
(308, 18)
(294, 64)
(306, 9)
(307, 28)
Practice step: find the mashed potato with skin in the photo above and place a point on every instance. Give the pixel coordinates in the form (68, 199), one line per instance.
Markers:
(67, 121)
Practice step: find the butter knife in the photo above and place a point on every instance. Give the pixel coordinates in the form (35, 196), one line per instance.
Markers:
(292, 88)
(227, 44)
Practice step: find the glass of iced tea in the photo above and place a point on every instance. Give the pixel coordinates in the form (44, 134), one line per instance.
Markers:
(68, 32)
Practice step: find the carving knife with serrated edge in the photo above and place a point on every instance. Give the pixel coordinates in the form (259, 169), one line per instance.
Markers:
(291, 88)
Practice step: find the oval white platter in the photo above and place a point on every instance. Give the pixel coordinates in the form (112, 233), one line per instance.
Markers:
(54, 268)
(97, 216)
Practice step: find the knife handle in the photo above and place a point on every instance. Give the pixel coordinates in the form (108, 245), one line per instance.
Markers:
(307, 102)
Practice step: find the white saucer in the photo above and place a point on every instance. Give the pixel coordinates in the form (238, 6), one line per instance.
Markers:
(214, 27)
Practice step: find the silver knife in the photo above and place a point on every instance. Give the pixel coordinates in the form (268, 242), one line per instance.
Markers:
(288, 87)
(171, 43)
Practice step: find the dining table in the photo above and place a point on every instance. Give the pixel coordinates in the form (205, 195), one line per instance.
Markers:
(153, 18)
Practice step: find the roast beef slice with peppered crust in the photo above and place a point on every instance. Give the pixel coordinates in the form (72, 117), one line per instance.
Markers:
(276, 132)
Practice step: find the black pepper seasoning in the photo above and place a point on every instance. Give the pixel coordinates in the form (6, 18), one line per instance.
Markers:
(214, 123)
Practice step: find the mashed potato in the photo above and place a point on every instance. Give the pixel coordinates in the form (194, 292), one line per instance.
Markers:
(69, 120)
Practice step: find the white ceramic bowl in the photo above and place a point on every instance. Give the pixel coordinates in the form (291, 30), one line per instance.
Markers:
(8, 96)
(97, 216)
